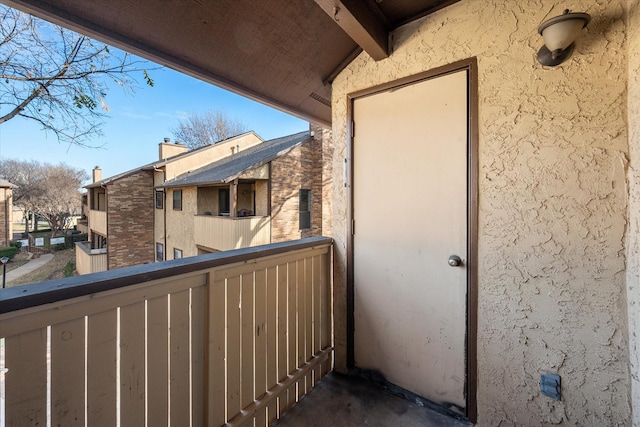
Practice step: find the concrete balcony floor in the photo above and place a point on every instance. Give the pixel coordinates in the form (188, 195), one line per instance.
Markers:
(346, 401)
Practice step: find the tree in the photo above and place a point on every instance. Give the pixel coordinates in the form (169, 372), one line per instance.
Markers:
(27, 176)
(199, 130)
(62, 198)
(49, 191)
(58, 78)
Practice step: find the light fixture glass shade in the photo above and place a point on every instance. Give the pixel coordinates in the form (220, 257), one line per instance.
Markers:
(558, 34)
(561, 31)
(562, 34)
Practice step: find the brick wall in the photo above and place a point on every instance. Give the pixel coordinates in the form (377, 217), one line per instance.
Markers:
(301, 168)
(130, 216)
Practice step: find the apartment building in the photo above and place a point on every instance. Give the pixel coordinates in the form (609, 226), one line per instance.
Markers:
(6, 211)
(237, 193)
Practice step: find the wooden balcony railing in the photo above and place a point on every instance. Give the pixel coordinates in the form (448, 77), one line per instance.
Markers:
(90, 260)
(235, 337)
(224, 233)
(98, 221)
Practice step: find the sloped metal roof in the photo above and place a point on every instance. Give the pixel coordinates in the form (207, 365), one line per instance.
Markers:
(229, 168)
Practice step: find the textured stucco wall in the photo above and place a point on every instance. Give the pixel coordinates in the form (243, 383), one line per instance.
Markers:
(552, 211)
(262, 197)
(245, 197)
(203, 156)
(180, 223)
(207, 200)
(327, 179)
(158, 214)
(633, 251)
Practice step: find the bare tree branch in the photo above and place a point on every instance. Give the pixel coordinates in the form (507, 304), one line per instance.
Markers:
(199, 130)
(58, 78)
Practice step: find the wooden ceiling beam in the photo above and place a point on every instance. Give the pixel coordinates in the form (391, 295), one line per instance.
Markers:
(361, 24)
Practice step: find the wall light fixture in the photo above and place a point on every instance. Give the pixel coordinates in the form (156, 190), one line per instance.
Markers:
(559, 34)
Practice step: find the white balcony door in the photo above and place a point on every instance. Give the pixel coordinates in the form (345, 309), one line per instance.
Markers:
(410, 209)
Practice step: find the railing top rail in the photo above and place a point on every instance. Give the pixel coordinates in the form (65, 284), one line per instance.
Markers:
(84, 247)
(21, 297)
(226, 217)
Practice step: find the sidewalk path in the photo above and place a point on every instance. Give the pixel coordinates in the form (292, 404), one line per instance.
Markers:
(32, 265)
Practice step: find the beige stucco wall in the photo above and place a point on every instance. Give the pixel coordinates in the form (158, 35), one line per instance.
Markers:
(180, 224)
(158, 214)
(245, 197)
(262, 198)
(552, 212)
(168, 149)
(212, 153)
(207, 200)
(633, 232)
(261, 172)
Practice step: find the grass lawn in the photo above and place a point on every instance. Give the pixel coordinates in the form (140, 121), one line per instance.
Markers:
(51, 270)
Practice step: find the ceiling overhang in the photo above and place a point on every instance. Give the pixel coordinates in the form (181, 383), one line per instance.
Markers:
(282, 53)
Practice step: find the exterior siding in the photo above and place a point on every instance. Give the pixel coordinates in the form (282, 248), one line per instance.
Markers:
(130, 217)
(301, 168)
(262, 197)
(6, 210)
(134, 224)
(158, 214)
(207, 200)
(180, 223)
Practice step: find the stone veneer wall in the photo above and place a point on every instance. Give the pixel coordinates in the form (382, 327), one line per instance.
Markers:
(130, 216)
(301, 168)
(553, 152)
(633, 229)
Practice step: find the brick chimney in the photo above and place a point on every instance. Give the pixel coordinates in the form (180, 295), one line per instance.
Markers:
(97, 174)
(167, 149)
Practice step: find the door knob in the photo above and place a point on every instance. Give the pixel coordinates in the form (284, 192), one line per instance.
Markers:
(455, 261)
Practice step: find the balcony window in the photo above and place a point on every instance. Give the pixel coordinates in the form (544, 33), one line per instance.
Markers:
(177, 200)
(223, 201)
(304, 208)
(159, 199)
(159, 252)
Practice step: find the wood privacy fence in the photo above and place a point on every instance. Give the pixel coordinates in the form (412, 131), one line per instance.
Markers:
(235, 338)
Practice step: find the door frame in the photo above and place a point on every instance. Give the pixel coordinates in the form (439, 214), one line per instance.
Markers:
(471, 66)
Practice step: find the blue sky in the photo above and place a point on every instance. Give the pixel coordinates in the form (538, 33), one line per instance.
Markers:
(138, 122)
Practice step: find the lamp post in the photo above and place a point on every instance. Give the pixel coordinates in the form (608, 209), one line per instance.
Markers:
(4, 260)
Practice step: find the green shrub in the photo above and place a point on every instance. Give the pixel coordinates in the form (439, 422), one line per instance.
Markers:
(69, 269)
(9, 252)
